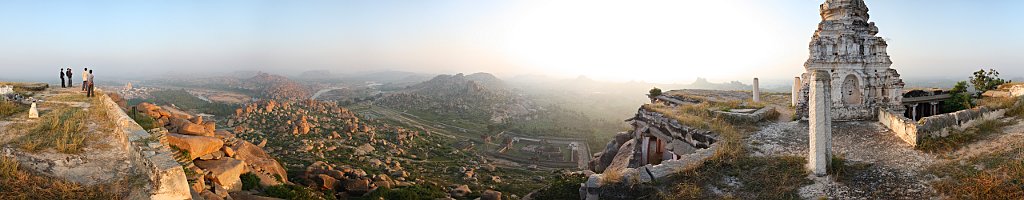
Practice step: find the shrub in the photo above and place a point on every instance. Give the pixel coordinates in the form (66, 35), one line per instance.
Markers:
(959, 99)
(144, 120)
(563, 187)
(654, 92)
(421, 192)
(984, 81)
(250, 181)
(286, 191)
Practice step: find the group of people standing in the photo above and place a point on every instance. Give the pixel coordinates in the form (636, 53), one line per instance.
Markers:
(88, 84)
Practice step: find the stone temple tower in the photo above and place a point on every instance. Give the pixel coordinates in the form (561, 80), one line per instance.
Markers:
(846, 47)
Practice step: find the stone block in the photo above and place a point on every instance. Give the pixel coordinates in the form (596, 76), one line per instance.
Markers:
(225, 172)
(196, 145)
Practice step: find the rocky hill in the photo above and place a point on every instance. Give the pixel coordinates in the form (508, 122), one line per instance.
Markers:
(479, 96)
(275, 87)
(329, 147)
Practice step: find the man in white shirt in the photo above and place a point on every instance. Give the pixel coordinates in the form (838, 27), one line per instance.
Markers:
(85, 79)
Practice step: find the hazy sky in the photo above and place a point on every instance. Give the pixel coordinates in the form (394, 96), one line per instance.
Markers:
(654, 41)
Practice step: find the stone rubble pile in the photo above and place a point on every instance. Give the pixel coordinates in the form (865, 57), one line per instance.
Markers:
(216, 157)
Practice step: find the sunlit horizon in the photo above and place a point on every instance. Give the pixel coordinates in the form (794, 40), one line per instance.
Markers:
(650, 41)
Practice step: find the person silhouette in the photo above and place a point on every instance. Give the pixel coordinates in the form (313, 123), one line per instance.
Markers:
(71, 83)
(85, 79)
(62, 78)
(92, 85)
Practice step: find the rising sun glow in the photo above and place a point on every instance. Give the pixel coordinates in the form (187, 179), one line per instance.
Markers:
(660, 41)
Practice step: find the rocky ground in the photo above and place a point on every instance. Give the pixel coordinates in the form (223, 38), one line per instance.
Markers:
(886, 167)
(327, 146)
(89, 167)
(214, 160)
(101, 160)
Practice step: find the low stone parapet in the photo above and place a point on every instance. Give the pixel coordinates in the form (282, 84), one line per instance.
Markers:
(753, 117)
(936, 126)
(150, 157)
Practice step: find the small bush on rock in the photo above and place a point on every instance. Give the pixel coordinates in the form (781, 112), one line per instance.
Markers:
(250, 181)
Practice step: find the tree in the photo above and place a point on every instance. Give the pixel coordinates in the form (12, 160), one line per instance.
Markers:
(654, 92)
(959, 99)
(984, 81)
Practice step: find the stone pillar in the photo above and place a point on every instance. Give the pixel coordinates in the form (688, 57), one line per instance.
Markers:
(820, 122)
(757, 91)
(33, 112)
(913, 112)
(796, 90)
(935, 108)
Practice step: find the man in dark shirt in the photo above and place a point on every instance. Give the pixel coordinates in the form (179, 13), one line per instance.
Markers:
(70, 81)
(62, 78)
(92, 85)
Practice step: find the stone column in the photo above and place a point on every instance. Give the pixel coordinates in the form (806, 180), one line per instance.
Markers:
(935, 108)
(796, 90)
(820, 122)
(757, 91)
(913, 112)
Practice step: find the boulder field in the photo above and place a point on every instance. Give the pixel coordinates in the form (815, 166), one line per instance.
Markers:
(217, 157)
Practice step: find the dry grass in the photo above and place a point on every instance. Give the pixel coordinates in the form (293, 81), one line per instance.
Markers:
(8, 167)
(761, 178)
(699, 116)
(998, 102)
(8, 108)
(1017, 110)
(70, 97)
(18, 184)
(64, 127)
(611, 177)
(957, 139)
(999, 176)
(61, 129)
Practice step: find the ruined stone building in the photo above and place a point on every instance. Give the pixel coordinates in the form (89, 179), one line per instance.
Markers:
(846, 47)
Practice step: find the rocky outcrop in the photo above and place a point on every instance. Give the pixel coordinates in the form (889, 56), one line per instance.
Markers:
(260, 163)
(225, 172)
(195, 145)
(219, 157)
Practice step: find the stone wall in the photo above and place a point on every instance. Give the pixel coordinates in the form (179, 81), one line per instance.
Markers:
(913, 132)
(903, 127)
(754, 117)
(149, 156)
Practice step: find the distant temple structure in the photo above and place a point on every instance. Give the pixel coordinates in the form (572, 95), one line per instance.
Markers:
(846, 47)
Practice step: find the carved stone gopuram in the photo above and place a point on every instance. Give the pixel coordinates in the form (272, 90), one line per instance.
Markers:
(845, 46)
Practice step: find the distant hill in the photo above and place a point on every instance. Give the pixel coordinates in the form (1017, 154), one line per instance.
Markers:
(275, 87)
(703, 83)
(474, 96)
(316, 75)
